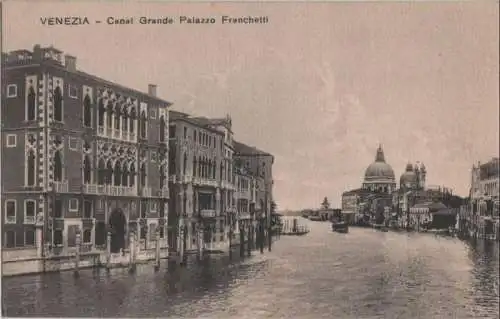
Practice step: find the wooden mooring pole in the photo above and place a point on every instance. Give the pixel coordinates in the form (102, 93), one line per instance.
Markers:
(76, 272)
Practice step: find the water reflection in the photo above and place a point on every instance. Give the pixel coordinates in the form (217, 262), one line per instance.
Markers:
(363, 274)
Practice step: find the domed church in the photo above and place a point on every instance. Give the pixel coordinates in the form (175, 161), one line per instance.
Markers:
(413, 177)
(379, 176)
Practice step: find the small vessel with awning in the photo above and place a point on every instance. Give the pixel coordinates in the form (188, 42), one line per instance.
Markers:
(340, 227)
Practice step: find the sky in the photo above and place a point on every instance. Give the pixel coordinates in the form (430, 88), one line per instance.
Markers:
(319, 86)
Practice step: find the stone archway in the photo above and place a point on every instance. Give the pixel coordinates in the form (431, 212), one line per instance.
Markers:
(117, 225)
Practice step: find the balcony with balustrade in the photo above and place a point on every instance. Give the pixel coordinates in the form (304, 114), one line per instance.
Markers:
(29, 219)
(146, 192)
(164, 193)
(60, 186)
(110, 190)
(208, 213)
(172, 179)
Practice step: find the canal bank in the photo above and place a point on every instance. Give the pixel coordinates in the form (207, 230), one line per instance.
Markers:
(76, 260)
(362, 274)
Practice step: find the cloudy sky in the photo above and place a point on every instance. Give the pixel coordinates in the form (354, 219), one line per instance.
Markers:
(319, 86)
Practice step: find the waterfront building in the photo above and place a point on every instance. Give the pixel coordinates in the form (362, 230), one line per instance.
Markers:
(80, 154)
(484, 197)
(245, 196)
(258, 164)
(201, 181)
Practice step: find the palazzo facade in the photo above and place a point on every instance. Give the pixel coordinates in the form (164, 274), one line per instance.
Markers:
(79, 155)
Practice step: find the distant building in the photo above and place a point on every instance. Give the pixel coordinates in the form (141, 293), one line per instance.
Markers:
(260, 165)
(379, 176)
(484, 196)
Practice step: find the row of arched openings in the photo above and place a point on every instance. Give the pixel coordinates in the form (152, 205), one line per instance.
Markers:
(119, 115)
(203, 167)
(118, 173)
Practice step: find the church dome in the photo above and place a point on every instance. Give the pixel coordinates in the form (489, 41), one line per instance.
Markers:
(379, 170)
(408, 177)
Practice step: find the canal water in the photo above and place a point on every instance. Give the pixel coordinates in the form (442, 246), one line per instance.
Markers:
(362, 274)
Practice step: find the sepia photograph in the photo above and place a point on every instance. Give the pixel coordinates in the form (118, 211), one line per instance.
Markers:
(275, 159)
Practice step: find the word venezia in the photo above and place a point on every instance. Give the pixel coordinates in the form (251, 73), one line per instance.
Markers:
(109, 20)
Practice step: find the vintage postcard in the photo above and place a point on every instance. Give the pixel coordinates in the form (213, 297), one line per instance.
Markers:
(250, 159)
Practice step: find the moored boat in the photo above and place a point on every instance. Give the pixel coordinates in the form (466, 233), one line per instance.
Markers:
(340, 227)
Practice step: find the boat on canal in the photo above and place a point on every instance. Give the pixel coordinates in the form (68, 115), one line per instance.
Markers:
(340, 227)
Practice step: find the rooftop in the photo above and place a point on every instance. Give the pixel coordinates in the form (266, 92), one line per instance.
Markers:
(53, 57)
(243, 149)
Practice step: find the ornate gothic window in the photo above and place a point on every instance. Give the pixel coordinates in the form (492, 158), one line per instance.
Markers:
(125, 120)
(57, 166)
(87, 113)
(118, 173)
(221, 170)
(102, 110)
(133, 115)
(125, 174)
(110, 115)
(184, 166)
(143, 124)
(162, 128)
(30, 168)
(31, 116)
(194, 166)
(132, 175)
(162, 177)
(101, 173)
(86, 170)
(143, 175)
(117, 118)
(109, 173)
(58, 111)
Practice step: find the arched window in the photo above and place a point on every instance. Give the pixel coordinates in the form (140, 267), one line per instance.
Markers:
(214, 169)
(117, 118)
(86, 170)
(221, 170)
(125, 181)
(58, 105)
(194, 166)
(133, 116)
(118, 173)
(101, 172)
(162, 176)
(30, 167)
(31, 116)
(184, 164)
(143, 175)
(57, 166)
(102, 110)
(125, 120)
(110, 115)
(162, 128)
(132, 175)
(109, 173)
(209, 168)
(143, 124)
(87, 113)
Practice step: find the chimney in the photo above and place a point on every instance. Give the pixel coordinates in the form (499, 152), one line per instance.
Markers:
(152, 89)
(70, 62)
